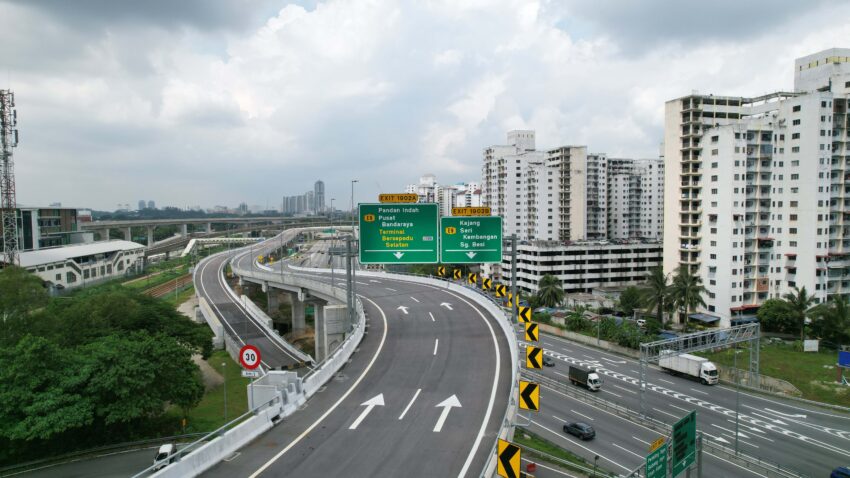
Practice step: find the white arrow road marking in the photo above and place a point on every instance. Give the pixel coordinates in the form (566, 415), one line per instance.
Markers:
(436, 343)
(414, 299)
(432, 317)
(390, 289)
(470, 254)
(377, 400)
(799, 415)
(446, 305)
(409, 404)
(772, 420)
(614, 361)
(720, 439)
(398, 255)
(447, 405)
(730, 431)
(402, 308)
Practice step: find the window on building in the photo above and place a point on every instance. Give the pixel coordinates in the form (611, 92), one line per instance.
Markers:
(795, 135)
(796, 108)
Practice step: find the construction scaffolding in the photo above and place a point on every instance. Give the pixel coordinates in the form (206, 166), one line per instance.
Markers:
(8, 206)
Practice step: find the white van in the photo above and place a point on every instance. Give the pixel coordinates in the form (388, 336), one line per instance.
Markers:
(164, 456)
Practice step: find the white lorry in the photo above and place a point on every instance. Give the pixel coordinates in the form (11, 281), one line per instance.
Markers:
(690, 365)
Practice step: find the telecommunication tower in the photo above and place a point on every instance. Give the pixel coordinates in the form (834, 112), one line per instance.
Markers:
(8, 140)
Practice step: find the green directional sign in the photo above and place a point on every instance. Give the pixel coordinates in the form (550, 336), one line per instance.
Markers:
(398, 233)
(471, 240)
(656, 463)
(684, 445)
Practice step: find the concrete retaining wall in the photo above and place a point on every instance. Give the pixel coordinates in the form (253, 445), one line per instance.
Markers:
(260, 316)
(213, 322)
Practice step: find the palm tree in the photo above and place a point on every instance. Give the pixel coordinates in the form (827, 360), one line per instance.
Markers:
(800, 302)
(687, 291)
(656, 294)
(550, 293)
(832, 320)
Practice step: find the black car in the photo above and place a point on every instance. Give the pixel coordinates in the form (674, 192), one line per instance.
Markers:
(580, 429)
(548, 361)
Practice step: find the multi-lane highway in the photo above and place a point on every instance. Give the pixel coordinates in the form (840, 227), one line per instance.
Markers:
(425, 394)
(807, 439)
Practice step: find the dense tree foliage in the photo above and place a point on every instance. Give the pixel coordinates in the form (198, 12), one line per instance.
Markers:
(686, 292)
(93, 368)
(630, 299)
(775, 315)
(799, 303)
(832, 321)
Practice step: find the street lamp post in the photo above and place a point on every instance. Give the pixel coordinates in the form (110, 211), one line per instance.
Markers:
(224, 372)
(595, 461)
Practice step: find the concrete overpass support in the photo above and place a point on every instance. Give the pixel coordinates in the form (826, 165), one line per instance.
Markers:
(150, 235)
(299, 313)
(184, 230)
(128, 234)
(330, 321)
(209, 227)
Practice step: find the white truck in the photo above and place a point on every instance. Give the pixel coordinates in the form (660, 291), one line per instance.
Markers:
(690, 365)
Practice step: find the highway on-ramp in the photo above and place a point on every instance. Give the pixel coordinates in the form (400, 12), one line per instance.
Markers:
(425, 395)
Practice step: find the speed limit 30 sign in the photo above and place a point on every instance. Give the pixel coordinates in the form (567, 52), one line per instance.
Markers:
(249, 357)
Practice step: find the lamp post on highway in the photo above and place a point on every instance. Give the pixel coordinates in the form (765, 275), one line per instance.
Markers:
(352, 205)
(224, 372)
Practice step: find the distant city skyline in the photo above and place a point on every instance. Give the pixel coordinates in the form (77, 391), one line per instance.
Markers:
(222, 104)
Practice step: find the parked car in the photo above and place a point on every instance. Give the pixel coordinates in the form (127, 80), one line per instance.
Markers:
(641, 323)
(840, 472)
(548, 361)
(164, 456)
(580, 429)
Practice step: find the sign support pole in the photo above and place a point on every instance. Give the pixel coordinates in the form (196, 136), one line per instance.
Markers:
(515, 301)
(348, 283)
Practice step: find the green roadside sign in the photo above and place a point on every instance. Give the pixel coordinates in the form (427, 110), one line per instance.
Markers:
(398, 233)
(656, 463)
(470, 240)
(684, 445)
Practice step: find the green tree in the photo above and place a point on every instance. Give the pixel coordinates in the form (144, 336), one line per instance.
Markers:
(799, 302)
(630, 299)
(687, 291)
(657, 293)
(20, 291)
(832, 321)
(775, 315)
(550, 292)
(575, 319)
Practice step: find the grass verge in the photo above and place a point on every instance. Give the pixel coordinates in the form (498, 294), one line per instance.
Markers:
(528, 440)
(209, 414)
(814, 373)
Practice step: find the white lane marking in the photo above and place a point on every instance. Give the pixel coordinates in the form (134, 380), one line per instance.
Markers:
(362, 283)
(579, 445)
(679, 408)
(390, 289)
(333, 407)
(492, 400)
(589, 357)
(732, 432)
(558, 418)
(699, 391)
(374, 281)
(666, 381)
(414, 299)
(559, 373)
(436, 343)
(642, 441)
(612, 393)
(786, 415)
(614, 361)
(720, 439)
(745, 442)
(628, 451)
(668, 414)
(409, 404)
(432, 317)
(581, 415)
(624, 389)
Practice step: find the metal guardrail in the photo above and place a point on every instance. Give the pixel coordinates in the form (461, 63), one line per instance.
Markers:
(755, 464)
(564, 463)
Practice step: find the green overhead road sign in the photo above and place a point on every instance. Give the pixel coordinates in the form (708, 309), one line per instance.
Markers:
(471, 240)
(398, 233)
(656, 463)
(684, 446)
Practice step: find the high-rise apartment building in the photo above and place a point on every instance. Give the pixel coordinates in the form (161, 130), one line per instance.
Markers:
(447, 196)
(564, 194)
(758, 189)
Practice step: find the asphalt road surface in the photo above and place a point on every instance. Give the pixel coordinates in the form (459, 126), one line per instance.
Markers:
(808, 439)
(424, 395)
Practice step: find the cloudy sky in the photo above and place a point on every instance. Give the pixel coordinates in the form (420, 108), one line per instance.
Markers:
(206, 102)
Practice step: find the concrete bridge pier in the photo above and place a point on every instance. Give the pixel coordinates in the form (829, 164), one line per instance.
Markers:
(150, 235)
(128, 234)
(299, 312)
(184, 230)
(330, 329)
(209, 227)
